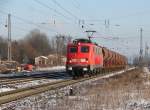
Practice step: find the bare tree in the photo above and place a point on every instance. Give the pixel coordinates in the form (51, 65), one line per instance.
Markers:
(35, 44)
(3, 48)
(39, 41)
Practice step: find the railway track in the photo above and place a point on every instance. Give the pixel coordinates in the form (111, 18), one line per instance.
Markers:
(5, 81)
(14, 81)
(13, 95)
(34, 74)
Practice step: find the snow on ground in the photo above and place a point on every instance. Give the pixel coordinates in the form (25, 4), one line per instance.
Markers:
(147, 75)
(51, 76)
(140, 98)
(55, 68)
(9, 87)
(61, 100)
(139, 104)
(146, 70)
(38, 71)
(4, 88)
(34, 83)
(113, 74)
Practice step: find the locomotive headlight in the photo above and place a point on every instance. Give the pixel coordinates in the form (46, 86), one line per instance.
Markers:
(69, 68)
(85, 69)
(70, 61)
(84, 60)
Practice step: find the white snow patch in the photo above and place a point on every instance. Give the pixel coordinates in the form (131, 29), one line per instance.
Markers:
(36, 82)
(147, 83)
(146, 70)
(52, 68)
(139, 104)
(5, 89)
(117, 73)
(9, 87)
(38, 71)
(146, 75)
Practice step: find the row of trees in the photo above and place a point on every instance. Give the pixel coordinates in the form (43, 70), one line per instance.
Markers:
(32, 45)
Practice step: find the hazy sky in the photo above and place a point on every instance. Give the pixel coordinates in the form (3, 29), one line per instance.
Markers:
(126, 17)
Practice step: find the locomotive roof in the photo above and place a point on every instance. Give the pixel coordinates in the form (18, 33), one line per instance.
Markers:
(82, 40)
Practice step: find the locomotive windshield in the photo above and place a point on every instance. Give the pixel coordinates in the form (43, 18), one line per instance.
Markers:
(84, 49)
(73, 49)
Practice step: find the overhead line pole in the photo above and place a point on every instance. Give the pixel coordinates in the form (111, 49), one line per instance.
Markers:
(141, 47)
(9, 38)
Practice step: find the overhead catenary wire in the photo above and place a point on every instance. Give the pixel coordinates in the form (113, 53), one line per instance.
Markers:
(54, 10)
(76, 4)
(74, 16)
(37, 24)
(28, 21)
(59, 5)
(83, 26)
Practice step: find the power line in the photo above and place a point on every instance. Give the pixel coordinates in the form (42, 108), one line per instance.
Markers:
(28, 21)
(22, 29)
(76, 4)
(47, 6)
(59, 13)
(59, 5)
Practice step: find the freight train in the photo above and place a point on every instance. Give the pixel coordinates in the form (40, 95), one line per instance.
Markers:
(87, 57)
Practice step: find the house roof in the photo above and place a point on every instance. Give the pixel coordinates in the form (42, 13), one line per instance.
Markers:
(41, 57)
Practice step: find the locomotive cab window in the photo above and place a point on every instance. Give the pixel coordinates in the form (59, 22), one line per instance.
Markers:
(84, 49)
(73, 49)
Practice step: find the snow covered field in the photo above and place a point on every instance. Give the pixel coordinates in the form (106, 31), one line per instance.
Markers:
(98, 94)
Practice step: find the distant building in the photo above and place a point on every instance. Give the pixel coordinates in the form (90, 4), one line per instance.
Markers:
(50, 60)
(63, 60)
(55, 59)
(41, 60)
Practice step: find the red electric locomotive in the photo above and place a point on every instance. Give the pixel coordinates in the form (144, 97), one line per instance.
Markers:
(86, 57)
(83, 57)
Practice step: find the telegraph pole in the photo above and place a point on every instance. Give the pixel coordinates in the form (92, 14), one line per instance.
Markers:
(146, 54)
(9, 38)
(141, 47)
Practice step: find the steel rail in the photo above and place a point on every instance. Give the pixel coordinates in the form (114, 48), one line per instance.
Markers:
(13, 95)
(18, 80)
